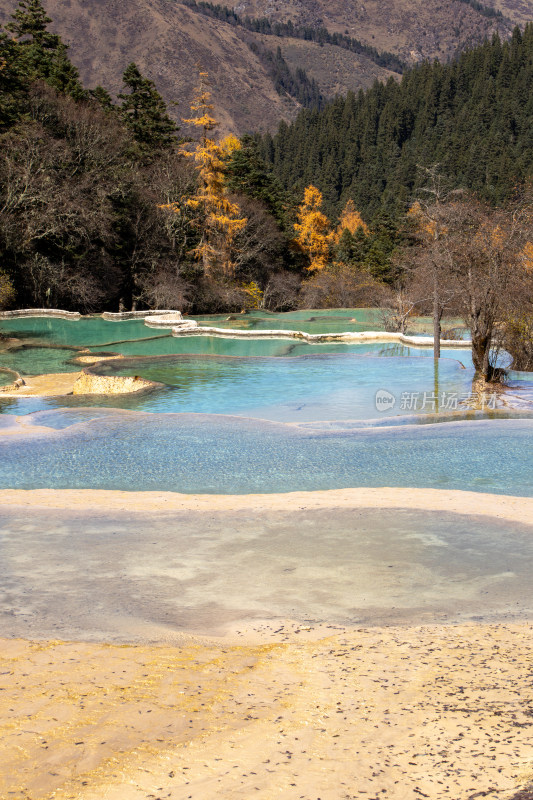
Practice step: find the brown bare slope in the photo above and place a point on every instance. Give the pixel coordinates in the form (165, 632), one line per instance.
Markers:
(334, 69)
(519, 11)
(412, 28)
(168, 40)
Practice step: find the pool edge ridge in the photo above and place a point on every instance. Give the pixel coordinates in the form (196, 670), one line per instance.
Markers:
(513, 508)
(191, 328)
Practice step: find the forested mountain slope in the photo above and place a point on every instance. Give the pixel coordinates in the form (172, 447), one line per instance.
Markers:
(473, 118)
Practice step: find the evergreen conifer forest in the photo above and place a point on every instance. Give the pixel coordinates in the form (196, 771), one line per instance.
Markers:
(473, 117)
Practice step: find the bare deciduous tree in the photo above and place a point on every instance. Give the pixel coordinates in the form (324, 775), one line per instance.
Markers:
(281, 291)
(480, 263)
(339, 286)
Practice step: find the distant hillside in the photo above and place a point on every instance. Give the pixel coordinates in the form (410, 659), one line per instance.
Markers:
(519, 11)
(414, 29)
(472, 117)
(167, 40)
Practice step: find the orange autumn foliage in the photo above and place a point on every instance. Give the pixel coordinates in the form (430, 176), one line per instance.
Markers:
(423, 222)
(527, 256)
(313, 228)
(350, 219)
(218, 218)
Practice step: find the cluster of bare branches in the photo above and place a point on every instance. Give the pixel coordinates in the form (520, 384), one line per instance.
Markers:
(470, 259)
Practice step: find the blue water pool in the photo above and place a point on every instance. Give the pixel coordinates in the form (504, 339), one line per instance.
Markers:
(285, 380)
(226, 455)
(293, 389)
(218, 421)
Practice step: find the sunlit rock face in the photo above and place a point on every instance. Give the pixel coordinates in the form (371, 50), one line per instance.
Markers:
(103, 384)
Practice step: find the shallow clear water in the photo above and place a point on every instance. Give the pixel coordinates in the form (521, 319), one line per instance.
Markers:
(244, 348)
(39, 360)
(291, 389)
(132, 337)
(98, 332)
(230, 455)
(187, 452)
(127, 577)
(308, 388)
(244, 379)
(235, 376)
(336, 320)
(84, 332)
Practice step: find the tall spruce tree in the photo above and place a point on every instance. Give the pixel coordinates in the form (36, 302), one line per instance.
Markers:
(13, 83)
(246, 173)
(42, 55)
(145, 111)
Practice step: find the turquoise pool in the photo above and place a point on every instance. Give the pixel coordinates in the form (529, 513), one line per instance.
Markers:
(270, 379)
(202, 453)
(218, 422)
(290, 389)
(128, 336)
(94, 330)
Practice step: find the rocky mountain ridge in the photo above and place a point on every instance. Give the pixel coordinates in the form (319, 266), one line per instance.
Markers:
(168, 40)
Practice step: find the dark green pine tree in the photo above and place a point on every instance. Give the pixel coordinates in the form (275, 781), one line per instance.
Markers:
(64, 76)
(352, 248)
(344, 249)
(246, 173)
(42, 54)
(145, 112)
(102, 97)
(13, 83)
(30, 23)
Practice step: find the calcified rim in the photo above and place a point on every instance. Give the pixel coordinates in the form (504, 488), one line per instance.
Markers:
(107, 315)
(508, 507)
(167, 319)
(349, 337)
(40, 312)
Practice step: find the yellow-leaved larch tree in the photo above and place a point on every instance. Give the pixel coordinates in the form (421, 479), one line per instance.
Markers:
(313, 229)
(351, 220)
(218, 217)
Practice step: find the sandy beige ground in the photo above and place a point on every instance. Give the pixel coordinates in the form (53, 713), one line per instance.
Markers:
(398, 713)
(52, 385)
(515, 509)
(286, 712)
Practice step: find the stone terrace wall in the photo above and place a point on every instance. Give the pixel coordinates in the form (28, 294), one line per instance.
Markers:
(120, 316)
(40, 312)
